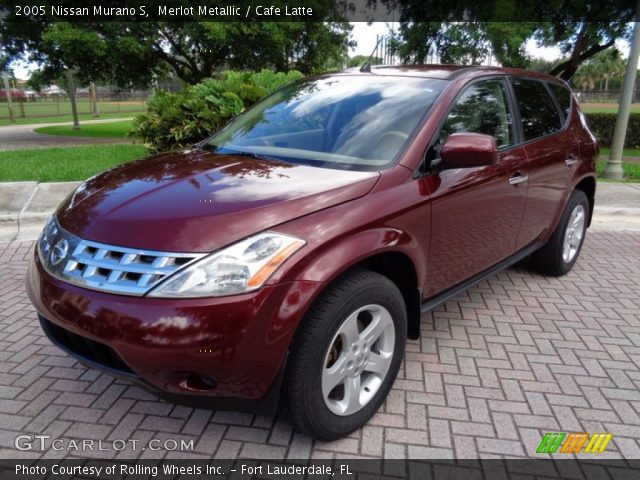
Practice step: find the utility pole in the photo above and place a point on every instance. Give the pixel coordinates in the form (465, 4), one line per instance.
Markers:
(72, 98)
(613, 170)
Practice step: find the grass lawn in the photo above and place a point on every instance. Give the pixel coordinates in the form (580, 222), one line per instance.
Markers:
(627, 152)
(606, 107)
(631, 171)
(110, 130)
(65, 118)
(64, 164)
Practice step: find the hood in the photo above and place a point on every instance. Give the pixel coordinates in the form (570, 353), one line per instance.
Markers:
(198, 201)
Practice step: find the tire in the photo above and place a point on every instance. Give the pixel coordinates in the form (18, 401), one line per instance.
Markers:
(553, 258)
(322, 351)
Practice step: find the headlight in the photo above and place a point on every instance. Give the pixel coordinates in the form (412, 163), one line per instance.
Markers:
(239, 268)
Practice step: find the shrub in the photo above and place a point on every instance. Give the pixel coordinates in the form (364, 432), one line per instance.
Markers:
(177, 120)
(602, 125)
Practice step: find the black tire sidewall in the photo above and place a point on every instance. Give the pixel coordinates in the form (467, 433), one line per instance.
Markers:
(310, 355)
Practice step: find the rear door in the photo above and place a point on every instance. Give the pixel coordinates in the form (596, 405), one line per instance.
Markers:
(552, 153)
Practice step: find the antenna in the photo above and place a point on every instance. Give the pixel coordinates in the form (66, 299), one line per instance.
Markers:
(366, 67)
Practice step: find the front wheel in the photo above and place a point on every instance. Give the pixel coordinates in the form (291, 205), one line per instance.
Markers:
(560, 253)
(346, 356)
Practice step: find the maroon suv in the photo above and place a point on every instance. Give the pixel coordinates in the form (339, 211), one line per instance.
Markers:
(289, 256)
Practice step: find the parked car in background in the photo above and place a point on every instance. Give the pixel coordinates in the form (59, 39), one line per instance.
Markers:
(286, 259)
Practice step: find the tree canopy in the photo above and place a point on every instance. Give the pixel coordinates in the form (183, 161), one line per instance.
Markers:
(580, 28)
(599, 70)
(136, 52)
(132, 53)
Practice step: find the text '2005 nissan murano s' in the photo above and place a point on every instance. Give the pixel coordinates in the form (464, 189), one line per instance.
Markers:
(285, 260)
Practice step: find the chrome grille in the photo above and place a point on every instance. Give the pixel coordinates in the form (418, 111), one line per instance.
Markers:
(103, 267)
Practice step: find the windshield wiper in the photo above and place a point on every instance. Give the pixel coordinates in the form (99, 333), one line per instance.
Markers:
(207, 147)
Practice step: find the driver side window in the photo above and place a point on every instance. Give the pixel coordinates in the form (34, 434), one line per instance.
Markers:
(482, 108)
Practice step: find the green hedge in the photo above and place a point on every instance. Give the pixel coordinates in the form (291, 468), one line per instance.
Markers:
(177, 120)
(602, 125)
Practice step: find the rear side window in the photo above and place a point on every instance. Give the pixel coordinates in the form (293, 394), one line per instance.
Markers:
(563, 97)
(539, 114)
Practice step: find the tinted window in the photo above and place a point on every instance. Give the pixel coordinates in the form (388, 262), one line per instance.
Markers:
(359, 122)
(563, 97)
(482, 108)
(538, 112)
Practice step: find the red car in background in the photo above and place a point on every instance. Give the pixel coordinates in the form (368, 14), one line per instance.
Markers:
(289, 256)
(16, 95)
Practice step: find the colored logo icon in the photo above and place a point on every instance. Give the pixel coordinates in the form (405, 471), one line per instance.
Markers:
(562, 442)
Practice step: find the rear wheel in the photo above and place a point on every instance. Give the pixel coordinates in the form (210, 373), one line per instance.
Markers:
(560, 253)
(346, 356)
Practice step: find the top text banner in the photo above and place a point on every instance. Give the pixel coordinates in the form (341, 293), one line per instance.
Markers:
(556, 11)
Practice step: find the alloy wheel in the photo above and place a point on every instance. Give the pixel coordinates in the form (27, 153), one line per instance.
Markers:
(358, 359)
(573, 234)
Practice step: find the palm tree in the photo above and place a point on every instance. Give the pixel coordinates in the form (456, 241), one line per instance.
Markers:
(600, 69)
(613, 65)
(586, 76)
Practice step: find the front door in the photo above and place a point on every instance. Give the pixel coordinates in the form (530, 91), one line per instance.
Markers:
(476, 212)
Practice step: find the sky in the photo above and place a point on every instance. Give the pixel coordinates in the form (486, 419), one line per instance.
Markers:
(365, 35)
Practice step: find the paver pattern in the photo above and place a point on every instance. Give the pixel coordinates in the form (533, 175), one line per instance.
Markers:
(497, 367)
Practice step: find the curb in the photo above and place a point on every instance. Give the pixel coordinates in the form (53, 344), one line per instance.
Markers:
(616, 218)
(26, 206)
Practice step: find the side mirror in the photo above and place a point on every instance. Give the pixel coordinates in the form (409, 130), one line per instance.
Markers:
(465, 150)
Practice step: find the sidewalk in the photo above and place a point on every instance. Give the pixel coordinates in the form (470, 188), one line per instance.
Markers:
(25, 207)
(624, 159)
(18, 137)
(617, 206)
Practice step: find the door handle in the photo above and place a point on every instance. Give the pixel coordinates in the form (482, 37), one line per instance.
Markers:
(571, 161)
(518, 178)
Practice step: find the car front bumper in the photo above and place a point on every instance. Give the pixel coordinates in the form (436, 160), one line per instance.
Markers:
(224, 353)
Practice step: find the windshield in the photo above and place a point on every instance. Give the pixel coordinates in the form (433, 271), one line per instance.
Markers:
(348, 122)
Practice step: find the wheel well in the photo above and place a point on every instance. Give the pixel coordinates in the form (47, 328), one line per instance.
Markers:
(399, 268)
(588, 186)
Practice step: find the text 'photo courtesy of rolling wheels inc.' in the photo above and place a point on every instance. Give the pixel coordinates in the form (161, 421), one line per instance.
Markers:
(338, 239)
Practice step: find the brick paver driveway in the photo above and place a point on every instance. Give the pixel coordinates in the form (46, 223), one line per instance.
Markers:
(515, 357)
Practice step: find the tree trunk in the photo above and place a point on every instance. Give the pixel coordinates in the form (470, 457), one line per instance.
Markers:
(72, 98)
(7, 88)
(580, 53)
(93, 90)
